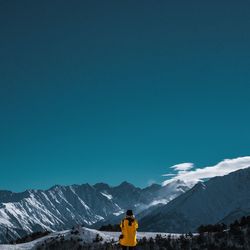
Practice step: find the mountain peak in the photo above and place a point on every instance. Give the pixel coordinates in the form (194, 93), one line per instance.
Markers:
(101, 186)
(126, 184)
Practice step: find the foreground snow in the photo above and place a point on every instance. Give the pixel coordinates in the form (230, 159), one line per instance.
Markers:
(87, 235)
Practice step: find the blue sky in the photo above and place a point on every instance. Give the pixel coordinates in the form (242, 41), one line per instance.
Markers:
(106, 91)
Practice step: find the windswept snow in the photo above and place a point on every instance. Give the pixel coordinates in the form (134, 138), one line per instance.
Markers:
(109, 196)
(118, 213)
(156, 202)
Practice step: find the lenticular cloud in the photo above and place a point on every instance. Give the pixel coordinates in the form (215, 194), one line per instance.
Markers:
(183, 166)
(186, 173)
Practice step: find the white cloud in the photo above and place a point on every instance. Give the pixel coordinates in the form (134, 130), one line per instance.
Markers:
(183, 166)
(169, 175)
(222, 168)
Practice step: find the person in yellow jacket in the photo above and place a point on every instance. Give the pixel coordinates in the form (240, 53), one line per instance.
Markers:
(128, 226)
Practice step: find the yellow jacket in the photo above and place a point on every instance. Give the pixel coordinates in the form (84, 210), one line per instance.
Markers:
(128, 227)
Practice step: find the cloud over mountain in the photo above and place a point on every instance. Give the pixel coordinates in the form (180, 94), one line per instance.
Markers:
(183, 166)
(187, 173)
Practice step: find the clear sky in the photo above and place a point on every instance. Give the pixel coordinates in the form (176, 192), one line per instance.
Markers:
(106, 91)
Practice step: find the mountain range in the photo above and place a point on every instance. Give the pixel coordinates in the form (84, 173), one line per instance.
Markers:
(62, 207)
(175, 208)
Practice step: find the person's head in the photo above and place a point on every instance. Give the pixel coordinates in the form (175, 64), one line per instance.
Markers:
(129, 213)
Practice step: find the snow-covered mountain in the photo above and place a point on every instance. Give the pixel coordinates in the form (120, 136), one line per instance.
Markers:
(62, 207)
(175, 207)
(220, 199)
